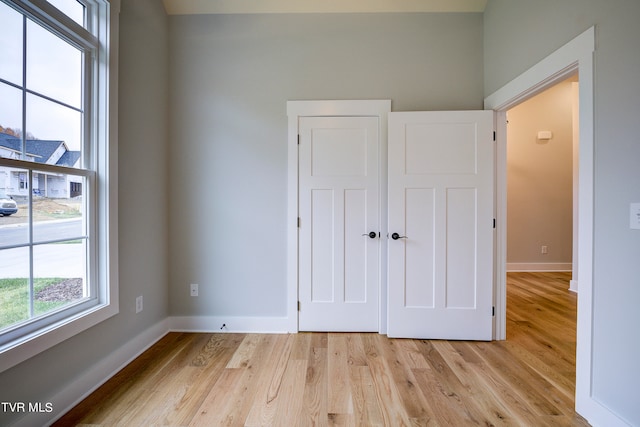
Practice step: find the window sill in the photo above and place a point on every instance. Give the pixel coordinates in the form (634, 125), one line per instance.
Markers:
(31, 345)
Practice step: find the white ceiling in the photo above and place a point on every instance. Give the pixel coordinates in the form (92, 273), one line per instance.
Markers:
(195, 7)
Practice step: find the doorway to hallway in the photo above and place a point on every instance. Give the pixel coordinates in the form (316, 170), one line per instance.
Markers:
(542, 184)
(542, 208)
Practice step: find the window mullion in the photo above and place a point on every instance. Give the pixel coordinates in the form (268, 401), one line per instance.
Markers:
(31, 295)
(66, 170)
(23, 154)
(30, 240)
(55, 101)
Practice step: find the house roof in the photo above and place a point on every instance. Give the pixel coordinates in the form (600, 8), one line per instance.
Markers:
(41, 149)
(9, 141)
(69, 158)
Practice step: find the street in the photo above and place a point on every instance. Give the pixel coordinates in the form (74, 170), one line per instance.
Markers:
(43, 231)
(52, 260)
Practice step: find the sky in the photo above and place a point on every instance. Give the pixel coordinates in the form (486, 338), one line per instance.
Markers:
(54, 69)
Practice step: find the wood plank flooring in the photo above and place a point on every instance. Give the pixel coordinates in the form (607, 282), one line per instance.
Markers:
(357, 379)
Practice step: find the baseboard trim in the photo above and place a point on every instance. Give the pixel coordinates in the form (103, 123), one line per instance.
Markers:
(597, 414)
(573, 286)
(264, 325)
(538, 266)
(64, 400)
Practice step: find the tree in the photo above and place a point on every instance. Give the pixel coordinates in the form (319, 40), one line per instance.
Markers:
(16, 132)
(10, 131)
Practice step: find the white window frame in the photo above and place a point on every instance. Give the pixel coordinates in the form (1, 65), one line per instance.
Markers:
(102, 22)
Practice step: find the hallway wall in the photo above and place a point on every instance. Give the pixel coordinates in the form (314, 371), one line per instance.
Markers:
(540, 182)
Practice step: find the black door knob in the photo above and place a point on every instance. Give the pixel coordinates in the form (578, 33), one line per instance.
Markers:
(371, 234)
(396, 236)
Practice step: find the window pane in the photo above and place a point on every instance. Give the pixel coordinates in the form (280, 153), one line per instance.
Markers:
(58, 281)
(14, 222)
(14, 286)
(52, 131)
(58, 209)
(72, 8)
(54, 67)
(64, 260)
(10, 45)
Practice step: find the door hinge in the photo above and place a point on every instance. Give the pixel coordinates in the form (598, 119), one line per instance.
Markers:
(299, 139)
(298, 222)
(494, 223)
(494, 137)
(298, 305)
(493, 310)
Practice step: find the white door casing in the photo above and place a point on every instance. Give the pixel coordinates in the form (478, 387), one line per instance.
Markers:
(575, 55)
(441, 204)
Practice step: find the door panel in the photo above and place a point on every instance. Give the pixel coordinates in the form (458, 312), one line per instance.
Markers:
(322, 245)
(420, 252)
(338, 205)
(355, 268)
(441, 203)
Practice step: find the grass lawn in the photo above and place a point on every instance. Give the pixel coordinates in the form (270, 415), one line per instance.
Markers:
(14, 299)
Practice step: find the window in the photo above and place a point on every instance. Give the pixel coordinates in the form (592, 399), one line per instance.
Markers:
(23, 181)
(57, 230)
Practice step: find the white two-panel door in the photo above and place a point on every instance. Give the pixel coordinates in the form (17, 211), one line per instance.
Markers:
(339, 261)
(440, 253)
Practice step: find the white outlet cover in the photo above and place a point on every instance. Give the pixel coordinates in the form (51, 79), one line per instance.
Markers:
(634, 216)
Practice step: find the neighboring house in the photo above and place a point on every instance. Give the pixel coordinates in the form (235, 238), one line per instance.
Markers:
(15, 182)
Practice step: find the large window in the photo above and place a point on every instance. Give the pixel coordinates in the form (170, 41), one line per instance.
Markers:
(55, 225)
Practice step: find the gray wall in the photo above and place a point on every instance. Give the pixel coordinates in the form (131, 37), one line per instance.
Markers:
(143, 218)
(231, 76)
(519, 33)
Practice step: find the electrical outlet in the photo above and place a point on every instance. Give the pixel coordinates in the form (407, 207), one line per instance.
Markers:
(544, 249)
(634, 216)
(139, 304)
(194, 289)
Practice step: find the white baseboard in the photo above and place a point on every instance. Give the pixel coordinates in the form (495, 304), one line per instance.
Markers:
(264, 325)
(573, 286)
(539, 266)
(598, 414)
(69, 396)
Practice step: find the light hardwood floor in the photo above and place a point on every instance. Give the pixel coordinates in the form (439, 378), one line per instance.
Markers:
(357, 379)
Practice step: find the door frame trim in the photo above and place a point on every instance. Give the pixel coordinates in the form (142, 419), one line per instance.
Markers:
(332, 108)
(576, 55)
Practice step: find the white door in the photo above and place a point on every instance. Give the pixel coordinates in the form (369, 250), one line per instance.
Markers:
(441, 211)
(339, 262)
